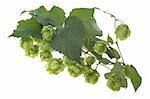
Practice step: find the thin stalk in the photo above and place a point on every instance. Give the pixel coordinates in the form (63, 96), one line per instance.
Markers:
(115, 22)
(117, 43)
(119, 51)
(105, 67)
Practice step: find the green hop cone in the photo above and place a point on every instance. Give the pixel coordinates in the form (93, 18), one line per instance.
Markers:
(100, 47)
(82, 61)
(114, 82)
(26, 43)
(75, 70)
(92, 77)
(47, 32)
(44, 46)
(122, 32)
(55, 66)
(32, 52)
(45, 56)
(68, 61)
(30, 49)
(90, 60)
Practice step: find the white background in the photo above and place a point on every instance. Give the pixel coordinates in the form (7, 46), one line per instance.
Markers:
(25, 78)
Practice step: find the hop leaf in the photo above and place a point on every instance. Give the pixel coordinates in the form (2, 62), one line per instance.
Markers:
(110, 40)
(112, 53)
(122, 32)
(55, 16)
(69, 39)
(27, 28)
(135, 78)
(55, 66)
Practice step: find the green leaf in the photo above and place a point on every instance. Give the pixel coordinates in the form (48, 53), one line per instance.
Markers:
(86, 16)
(105, 61)
(112, 53)
(98, 57)
(55, 16)
(27, 28)
(122, 32)
(69, 39)
(132, 73)
(110, 40)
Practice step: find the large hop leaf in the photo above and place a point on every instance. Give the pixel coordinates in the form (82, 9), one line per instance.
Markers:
(27, 28)
(86, 16)
(122, 32)
(69, 39)
(55, 16)
(132, 73)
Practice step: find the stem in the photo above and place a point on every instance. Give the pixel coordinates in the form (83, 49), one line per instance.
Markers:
(119, 51)
(102, 65)
(97, 66)
(105, 12)
(105, 66)
(117, 41)
(115, 22)
(111, 15)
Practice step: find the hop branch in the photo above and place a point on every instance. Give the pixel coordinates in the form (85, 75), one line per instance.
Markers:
(77, 38)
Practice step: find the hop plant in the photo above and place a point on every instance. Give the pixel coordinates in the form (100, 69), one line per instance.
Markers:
(55, 66)
(76, 37)
(47, 32)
